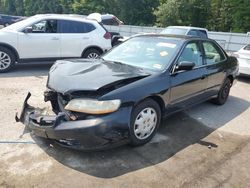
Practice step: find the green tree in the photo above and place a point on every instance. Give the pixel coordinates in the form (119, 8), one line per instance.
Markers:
(66, 6)
(183, 12)
(10, 7)
(2, 7)
(139, 12)
(42, 7)
(199, 12)
(19, 5)
(168, 13)
(86, 7)
(221, 15)
(241, 15)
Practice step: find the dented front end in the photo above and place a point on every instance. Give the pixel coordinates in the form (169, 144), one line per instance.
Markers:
(76, 130)
(84, 80)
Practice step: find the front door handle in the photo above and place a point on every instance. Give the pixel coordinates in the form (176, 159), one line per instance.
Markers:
(55, 38)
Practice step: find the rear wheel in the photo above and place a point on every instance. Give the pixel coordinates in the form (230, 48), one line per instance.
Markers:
(91, 54)
(7, 60)
(145, 121)
(223, 93)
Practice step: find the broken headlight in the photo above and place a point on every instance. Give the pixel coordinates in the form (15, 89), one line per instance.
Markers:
(93, 106)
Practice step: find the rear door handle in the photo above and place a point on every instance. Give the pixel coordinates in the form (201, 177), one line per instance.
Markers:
(55, 38)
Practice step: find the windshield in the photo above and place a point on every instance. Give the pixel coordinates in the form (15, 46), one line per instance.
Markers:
(145, 52)
(174, 31)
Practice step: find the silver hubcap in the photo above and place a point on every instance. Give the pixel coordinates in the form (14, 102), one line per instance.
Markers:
(5, 60)
(93, 56)
(145, 123)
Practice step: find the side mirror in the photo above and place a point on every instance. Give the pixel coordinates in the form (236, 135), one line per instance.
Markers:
(185, 65)
(28, 30)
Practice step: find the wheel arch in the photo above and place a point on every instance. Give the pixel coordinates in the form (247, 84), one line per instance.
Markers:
(11, 48)
(156, 99)
(92, 47)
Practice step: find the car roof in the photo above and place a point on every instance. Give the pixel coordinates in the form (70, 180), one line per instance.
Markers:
(65, 16)
(72, 17)
(187, 27)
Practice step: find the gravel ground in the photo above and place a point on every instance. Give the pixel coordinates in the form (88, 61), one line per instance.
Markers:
(205, 146)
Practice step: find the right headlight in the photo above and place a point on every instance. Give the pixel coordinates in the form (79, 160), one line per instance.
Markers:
(93, 106)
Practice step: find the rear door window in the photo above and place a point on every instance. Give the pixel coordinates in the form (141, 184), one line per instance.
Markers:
(213, 54)
(67, 26)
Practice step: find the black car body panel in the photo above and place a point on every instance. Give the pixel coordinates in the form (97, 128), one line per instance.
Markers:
(92, 133)
(104, 80)
(94, 74)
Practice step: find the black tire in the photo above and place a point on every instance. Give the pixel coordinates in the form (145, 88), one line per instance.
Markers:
(10, 55)
(144, 105)
(90, 52)
(223, 93)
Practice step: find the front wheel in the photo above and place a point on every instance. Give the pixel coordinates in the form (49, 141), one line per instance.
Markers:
(145, 120)
(91, 54)
(7, 60)
(223, 93)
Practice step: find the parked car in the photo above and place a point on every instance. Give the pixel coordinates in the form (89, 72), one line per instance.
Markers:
(243, 56)
(122, 96)
(178, 30)
(6, 20)
(186, 30)
(52, 37)
(108, 20)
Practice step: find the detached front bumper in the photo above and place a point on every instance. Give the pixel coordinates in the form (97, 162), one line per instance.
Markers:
(93, 133)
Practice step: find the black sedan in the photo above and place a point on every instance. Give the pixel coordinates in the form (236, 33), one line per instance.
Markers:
(123, 96)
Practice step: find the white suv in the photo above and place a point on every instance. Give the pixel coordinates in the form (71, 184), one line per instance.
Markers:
(51, 37)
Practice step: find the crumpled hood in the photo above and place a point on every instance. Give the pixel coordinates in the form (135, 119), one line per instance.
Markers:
(88, 75)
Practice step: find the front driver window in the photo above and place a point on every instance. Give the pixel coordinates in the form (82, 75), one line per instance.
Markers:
(45, 26)
(192, 53)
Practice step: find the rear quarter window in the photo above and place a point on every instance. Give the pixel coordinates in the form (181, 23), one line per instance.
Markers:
(89, 27)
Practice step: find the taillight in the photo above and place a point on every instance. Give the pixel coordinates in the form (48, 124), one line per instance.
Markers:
(107, 35)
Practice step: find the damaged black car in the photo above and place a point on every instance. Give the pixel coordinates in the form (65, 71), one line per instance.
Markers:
(122, 96)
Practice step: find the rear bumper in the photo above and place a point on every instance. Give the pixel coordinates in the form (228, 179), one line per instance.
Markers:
(93, 133)
(244, 70)
(244, 66)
